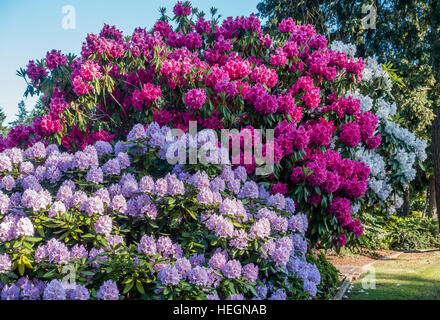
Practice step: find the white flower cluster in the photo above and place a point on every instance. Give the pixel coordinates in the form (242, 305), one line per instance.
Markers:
(397, 203)
(384, 109)
(378, 182)
(355, 208)
(347, 48)
(374, 70)
(408, 138)
(381, 188)
(406, 161)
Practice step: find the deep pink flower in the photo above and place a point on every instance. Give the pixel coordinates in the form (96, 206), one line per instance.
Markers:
(266, 41)
(49, 125)
(291, 49)
(279, 58)
(356, 227)
(286, 104)
(318, 42)
(332, 182)
(195, 98)
(367, 124)
(163, 28)
(192, 40)
(265, 76)
(374, 142)
(203, 26)
(321, 131)
(80, 87)
(57, 103)
(54, 59)
(318, 175)
(266, 104)
(300, 137)
(182, 9)
(162, 117)
(146, 96)
(355, 188)
(356, 66)
(279, 188)
(90, 71)
(287, 25)
(35, 72)
(340, 207)
(297, 175)
(314, 198)
(305, 83)
(312, 98)
(342, 240)
(237, 68)
(350, 134)
(343, 106)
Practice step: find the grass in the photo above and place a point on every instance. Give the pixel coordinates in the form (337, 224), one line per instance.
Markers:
(411, 276)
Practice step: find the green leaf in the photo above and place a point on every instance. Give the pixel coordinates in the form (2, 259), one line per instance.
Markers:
(33, 239)
(191, 213)
(21, 268)
(252, 289)
(128, 287)
(140, 287)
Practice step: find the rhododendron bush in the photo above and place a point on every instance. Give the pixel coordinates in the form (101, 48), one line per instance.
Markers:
(88, 225)
(228, 75)
(394, 162)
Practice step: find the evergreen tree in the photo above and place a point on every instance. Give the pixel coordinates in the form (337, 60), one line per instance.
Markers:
(3, 128)
(23, 117)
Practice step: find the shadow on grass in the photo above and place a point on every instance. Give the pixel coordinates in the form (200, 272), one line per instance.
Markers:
(419, 251)
(387, 288)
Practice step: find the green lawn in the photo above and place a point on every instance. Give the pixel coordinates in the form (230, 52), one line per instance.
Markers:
(411, 276)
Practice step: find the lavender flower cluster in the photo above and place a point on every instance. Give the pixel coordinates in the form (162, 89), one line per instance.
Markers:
(213, 236)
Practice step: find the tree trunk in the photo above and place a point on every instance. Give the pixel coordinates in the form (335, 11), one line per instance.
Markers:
(406, 203)
(431, 210)
(434, 95)
(436, 156)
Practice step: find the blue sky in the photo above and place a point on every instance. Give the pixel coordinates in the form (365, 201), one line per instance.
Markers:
(28, 29)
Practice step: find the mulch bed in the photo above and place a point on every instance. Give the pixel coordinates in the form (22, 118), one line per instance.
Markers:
(347, 263)
(366, 256)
